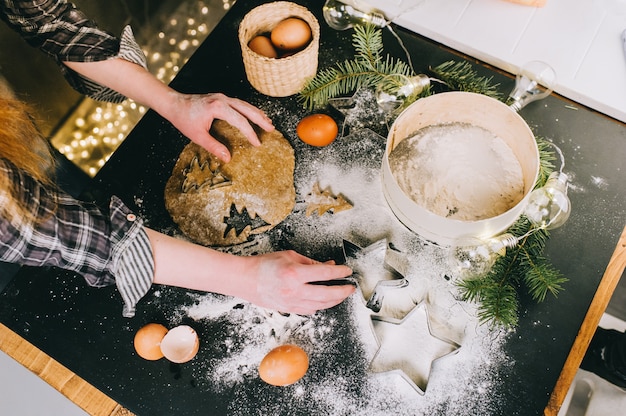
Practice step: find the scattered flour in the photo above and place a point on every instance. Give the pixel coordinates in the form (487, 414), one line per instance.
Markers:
(341, 342)
(600, 182)
(458, 171)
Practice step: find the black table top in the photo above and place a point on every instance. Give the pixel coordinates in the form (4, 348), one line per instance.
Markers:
(505, 374)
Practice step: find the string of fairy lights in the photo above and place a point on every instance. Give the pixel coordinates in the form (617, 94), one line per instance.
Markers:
(95, 129)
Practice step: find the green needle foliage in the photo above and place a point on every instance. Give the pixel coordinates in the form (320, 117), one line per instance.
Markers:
(370, 69)
(523, 267)
(546, 160)
(460, 76)
(367, 69)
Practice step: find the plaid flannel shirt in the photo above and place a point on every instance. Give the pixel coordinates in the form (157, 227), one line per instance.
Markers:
(105, 248)
(63, 32)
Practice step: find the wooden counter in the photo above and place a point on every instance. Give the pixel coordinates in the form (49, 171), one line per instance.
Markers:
(611, 277)
(87, 397)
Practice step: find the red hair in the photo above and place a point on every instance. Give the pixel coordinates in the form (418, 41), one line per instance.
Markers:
(22, 145)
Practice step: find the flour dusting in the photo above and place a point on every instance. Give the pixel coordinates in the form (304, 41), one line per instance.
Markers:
(458, 171)
(341, 342)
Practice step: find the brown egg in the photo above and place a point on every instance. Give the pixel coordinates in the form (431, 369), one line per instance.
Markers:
(284, 365)
(180, 344)
(291, 34)
(263, 46)
(317, 130)
(148, 339)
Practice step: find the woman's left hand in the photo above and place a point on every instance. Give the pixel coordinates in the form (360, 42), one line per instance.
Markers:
(193, 115)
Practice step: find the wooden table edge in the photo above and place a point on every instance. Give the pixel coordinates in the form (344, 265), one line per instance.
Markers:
(610, 279)
(76, 389)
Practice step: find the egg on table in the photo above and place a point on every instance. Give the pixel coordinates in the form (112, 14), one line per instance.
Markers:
(148, 339)
(284, 365)
(291, 34)
(317, 130)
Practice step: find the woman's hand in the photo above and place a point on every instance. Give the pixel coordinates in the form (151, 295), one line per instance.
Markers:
(193, 114)
(283, 283)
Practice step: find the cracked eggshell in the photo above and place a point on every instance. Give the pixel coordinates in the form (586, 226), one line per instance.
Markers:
(180, 344)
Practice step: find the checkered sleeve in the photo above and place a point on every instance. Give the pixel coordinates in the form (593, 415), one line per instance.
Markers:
(64, 33)
(132, 262)
(105, 248)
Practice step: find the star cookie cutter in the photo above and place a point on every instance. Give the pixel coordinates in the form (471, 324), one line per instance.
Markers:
(409, 348)
(360, 111)
(384, 290)
(396, 317)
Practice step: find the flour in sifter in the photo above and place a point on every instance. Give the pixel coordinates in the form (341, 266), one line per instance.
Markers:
(458, 171)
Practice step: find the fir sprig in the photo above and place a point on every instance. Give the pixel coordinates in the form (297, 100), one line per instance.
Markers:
(546, 160)
(460, 76)
(524, 265)
(367, 69)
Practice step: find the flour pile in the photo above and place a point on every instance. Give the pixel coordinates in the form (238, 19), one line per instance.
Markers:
(458, 171)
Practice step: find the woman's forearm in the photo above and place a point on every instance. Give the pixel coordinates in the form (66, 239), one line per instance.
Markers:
(279, 281)
(183, 264)
(191, 114)
(129, 79)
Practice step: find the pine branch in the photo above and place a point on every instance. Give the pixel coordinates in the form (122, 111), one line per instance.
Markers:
(546, 161)
(539, 277)
(472, 288)
(460, 76)
(542, 279)
(345, 78)
(498, 304)
(524, 265)
(368, 43)
(367, 69)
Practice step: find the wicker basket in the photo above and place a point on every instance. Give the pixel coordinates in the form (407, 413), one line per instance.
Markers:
(278, 77)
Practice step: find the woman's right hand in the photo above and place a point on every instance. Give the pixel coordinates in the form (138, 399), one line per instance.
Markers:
(282, 281)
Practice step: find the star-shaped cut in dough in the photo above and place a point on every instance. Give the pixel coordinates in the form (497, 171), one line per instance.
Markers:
(409, 348)
(323, 200)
